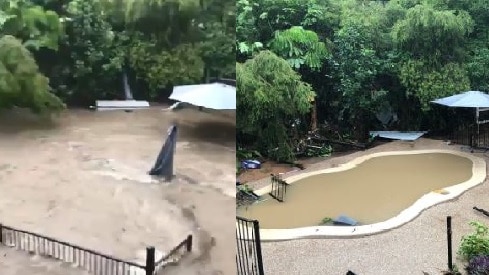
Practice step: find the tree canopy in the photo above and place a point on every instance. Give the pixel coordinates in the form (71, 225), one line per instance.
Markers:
(77, 51)
(364, 60)
(271, 95)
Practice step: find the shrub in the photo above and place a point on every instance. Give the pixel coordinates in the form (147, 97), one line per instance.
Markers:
(478, 265)
(475, 244)
(326, 221)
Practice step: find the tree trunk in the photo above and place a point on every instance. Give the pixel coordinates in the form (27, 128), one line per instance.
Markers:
(361, 131)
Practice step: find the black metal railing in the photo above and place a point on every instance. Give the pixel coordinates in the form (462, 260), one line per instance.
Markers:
(94, 262)
(279, 188)
(449, 243)
(248, 247)
(175, 254)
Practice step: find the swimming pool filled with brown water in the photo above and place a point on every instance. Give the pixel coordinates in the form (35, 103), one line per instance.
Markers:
(373, 191)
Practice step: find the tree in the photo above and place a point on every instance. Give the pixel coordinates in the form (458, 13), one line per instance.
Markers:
(131, 11)
(21, 84)
(424, 29)
(169, 44)
(86, 48)
(217, 29)
(299, 47)
(271, 95)
(427, 84)
(477, 69)
(189, 39)
(370, 57)
(162, 68)
(35, 26)
(260, 22)
(357, 66)
(24, 26)
(90, 60)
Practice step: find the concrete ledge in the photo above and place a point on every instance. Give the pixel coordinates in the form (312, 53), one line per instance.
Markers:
(426, 201)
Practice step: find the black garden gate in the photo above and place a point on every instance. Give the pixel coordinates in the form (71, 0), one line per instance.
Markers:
(279, 188)
(248, 247)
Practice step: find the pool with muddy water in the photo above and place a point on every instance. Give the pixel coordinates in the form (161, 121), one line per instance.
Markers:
(372, 191)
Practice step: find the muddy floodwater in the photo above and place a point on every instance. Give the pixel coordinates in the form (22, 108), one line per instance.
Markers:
(83, 179)
(374, 191)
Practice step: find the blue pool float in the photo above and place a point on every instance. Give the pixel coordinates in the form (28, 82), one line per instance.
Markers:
(250, 164)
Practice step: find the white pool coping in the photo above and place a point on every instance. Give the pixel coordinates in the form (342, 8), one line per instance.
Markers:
(423, 203)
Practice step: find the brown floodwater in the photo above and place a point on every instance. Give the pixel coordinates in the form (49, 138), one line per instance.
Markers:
(374, 191)
(82, 178)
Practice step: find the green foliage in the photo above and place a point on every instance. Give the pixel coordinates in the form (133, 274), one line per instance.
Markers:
(21, 84)
(133, 10)
(293, 29)
(4, 17)
(246, 188)
(427, 84)
(375, 21)
(299, 47)
(319, 16)
(393, 55)
(250, 49)
(246, 34)
(358, 64)
(84, 47)
(242, 154)
(35, 26)
(93, 49)
(475, 244)
(424, 29)
(270, 94)
(217, 33)
(477, 69)
(454, 271)
(99, 48)
(326, 221)
(217, 50)
(322, 151)
(180, 65)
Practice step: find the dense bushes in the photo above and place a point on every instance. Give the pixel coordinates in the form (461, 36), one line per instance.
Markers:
(81, 48)
(365, 58)
(474, 249)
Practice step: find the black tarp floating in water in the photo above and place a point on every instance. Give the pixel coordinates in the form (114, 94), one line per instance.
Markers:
(164, 163)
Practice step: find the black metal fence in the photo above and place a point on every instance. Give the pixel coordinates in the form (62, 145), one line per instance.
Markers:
(248, 247)
(471, 136)
(449, 243)
(94, 262)
(279, 188)
(174, 255)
